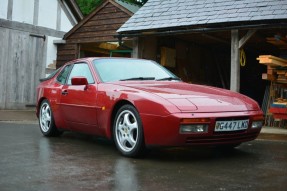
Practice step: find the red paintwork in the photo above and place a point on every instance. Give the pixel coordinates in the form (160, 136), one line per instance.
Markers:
(161, 105)
(79, 81)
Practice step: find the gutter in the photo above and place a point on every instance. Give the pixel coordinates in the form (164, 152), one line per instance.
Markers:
(200, 30)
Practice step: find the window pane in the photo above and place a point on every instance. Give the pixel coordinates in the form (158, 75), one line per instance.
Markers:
(120, 69)
(63, 75)
(81, 69)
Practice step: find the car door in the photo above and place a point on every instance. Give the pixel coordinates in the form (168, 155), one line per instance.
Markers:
(78, 102)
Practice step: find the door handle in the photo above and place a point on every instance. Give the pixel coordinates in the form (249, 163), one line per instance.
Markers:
(65, 92)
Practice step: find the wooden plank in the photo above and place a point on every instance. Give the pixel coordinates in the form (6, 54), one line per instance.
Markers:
(235, 69)
(99, 28)
(272, 60)
(135, 53)
(106, 16)
(110, 10)
(92, 34)
(66, 47)
(105, 22)
(12, 88)
(66, 57)
(277, 42)
(268, 77)
(245, 38)
(272, 57)
(4, 53)
(95, 39)
(280, 72)
(271, 71)
(67, 52)
(25, 63)
(14, 25)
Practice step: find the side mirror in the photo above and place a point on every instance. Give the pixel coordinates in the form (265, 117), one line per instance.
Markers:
(80, 80)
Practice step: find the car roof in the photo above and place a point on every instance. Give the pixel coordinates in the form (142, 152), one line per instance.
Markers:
(89, 59)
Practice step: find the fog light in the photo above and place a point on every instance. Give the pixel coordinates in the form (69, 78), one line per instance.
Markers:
(257, 124)
(193, 128)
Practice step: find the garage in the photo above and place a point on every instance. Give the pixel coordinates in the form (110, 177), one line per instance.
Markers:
(215, 43)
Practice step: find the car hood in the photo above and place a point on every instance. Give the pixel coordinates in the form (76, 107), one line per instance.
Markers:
(197, 98)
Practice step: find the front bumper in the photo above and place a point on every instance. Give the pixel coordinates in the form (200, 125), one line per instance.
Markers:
(164, 131)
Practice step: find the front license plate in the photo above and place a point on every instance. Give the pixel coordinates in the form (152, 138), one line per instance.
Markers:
(231, 125)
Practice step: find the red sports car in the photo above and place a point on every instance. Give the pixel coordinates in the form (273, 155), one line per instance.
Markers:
(138, 103)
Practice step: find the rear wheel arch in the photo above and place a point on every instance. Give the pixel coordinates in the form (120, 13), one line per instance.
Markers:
(46, 119)
(39, 104)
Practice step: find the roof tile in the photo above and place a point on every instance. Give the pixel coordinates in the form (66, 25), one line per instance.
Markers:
(157, 14)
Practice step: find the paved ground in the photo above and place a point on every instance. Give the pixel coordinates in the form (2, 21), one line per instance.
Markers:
(18, 115)
(32, 162)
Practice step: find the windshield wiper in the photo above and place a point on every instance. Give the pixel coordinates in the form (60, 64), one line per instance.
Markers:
(139, 78)
(169, 79)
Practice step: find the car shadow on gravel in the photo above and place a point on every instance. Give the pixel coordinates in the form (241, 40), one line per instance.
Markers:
(193, 154)
(102, 145)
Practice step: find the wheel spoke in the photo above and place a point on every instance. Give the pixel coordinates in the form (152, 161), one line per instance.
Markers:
(123, 141)
(131, 125)
(131, 141)
(48, 117)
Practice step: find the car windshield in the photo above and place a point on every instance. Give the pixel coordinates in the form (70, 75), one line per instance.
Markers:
(131, 69)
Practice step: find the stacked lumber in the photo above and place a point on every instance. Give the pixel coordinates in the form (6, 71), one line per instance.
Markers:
(270, 60)
(276, 68)
(280, 42)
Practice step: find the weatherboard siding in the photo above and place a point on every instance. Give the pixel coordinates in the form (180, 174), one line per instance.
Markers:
(21, 68)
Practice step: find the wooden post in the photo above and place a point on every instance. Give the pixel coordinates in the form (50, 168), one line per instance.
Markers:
(235, 68)
(135, 53)
(236, 44)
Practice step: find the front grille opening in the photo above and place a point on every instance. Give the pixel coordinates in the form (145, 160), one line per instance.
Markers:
(222, 139)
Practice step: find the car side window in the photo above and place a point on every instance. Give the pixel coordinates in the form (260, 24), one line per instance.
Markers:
(81, 69)
(64, 74)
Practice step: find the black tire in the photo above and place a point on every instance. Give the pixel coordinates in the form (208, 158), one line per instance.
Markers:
(128, 132)
(46, 120)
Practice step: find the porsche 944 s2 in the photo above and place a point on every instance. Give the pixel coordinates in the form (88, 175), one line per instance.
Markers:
(138, 103)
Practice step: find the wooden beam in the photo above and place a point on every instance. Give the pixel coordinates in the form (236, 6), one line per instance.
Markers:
(30, 28)
(135, 53)
(215, 38)
(244, 39)
(10, 10)
(235, 69)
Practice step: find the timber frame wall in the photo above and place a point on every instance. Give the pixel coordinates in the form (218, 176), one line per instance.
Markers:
(100, 26)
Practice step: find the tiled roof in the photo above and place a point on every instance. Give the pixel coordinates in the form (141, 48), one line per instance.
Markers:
(129, 6)
(160, 14)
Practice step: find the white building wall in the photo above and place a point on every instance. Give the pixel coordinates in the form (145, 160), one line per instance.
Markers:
(23, 11)
(3, 9)
(65, 22)
(51, 52)
(28, 46)
(48, 13)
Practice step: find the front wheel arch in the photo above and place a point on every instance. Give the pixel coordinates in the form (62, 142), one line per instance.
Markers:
(128, 132)
(116, 108)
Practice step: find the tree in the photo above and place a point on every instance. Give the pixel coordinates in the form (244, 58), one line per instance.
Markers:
(138, 2)
(88, 6)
